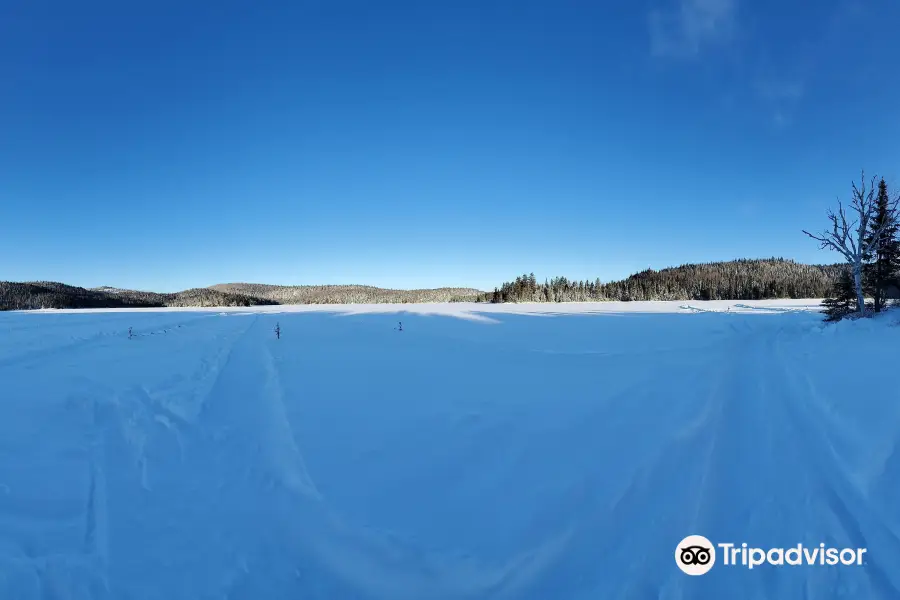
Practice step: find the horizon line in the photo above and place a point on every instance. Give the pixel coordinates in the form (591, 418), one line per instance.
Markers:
(410, 289)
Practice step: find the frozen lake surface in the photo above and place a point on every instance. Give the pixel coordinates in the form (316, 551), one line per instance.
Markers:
(513, 451)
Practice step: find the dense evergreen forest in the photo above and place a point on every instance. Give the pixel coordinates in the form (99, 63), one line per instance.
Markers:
(734, 280)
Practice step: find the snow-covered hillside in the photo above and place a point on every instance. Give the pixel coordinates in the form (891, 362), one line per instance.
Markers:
(514, 451)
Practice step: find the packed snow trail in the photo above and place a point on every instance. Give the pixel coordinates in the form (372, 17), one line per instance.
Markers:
(501, 456)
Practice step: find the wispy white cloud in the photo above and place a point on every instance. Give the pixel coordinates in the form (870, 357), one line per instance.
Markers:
(780, 119)
(686, 28)
(780, 91)
(781, 97)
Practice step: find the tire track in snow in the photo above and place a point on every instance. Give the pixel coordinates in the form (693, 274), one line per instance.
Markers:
(687, 472)
(40, 354)
(697, 474)
(266, 470)
(742, 440)
(59, 539)
(775, 500)
(674, 484)
(75, 564)
(860, 520)
(654, 479)
(141, 409)
(277, 436)
(96, 519)
(175, 501)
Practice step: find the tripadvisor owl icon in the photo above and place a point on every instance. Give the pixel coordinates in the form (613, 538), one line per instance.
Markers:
(695, 555)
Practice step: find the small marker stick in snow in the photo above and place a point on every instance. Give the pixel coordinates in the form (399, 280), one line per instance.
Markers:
(130, 335)
(277, 331)
(400, 328)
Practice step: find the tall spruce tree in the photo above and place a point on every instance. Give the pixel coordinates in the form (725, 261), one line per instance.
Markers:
(884, 265)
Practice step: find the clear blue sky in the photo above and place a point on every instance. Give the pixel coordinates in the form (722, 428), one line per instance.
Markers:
(170, 144)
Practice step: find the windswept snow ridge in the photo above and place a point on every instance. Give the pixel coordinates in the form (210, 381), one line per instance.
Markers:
(494, 455)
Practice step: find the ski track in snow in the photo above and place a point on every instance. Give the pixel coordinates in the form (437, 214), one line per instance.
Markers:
(494, 457)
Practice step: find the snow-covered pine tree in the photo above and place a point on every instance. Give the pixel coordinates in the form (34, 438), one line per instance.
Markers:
(883, 269)
(843, 298)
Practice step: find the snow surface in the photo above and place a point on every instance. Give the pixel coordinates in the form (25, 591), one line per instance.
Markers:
(494, 455)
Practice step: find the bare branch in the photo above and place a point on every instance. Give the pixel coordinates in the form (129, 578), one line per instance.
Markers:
(833, 240)
(852, 239)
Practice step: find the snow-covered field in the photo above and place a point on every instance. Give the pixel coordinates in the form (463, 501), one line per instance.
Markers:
(546, 452)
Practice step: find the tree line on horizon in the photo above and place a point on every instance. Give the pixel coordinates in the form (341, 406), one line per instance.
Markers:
(743, 279)
(53, 295)
(346, 294)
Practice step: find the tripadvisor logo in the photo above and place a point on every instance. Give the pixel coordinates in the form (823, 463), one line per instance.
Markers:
(696, 555)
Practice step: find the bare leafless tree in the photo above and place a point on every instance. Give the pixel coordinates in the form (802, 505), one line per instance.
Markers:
(851, 238)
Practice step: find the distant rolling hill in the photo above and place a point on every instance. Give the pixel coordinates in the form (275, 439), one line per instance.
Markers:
(45, 294)
(48, 294)
(345, 294)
